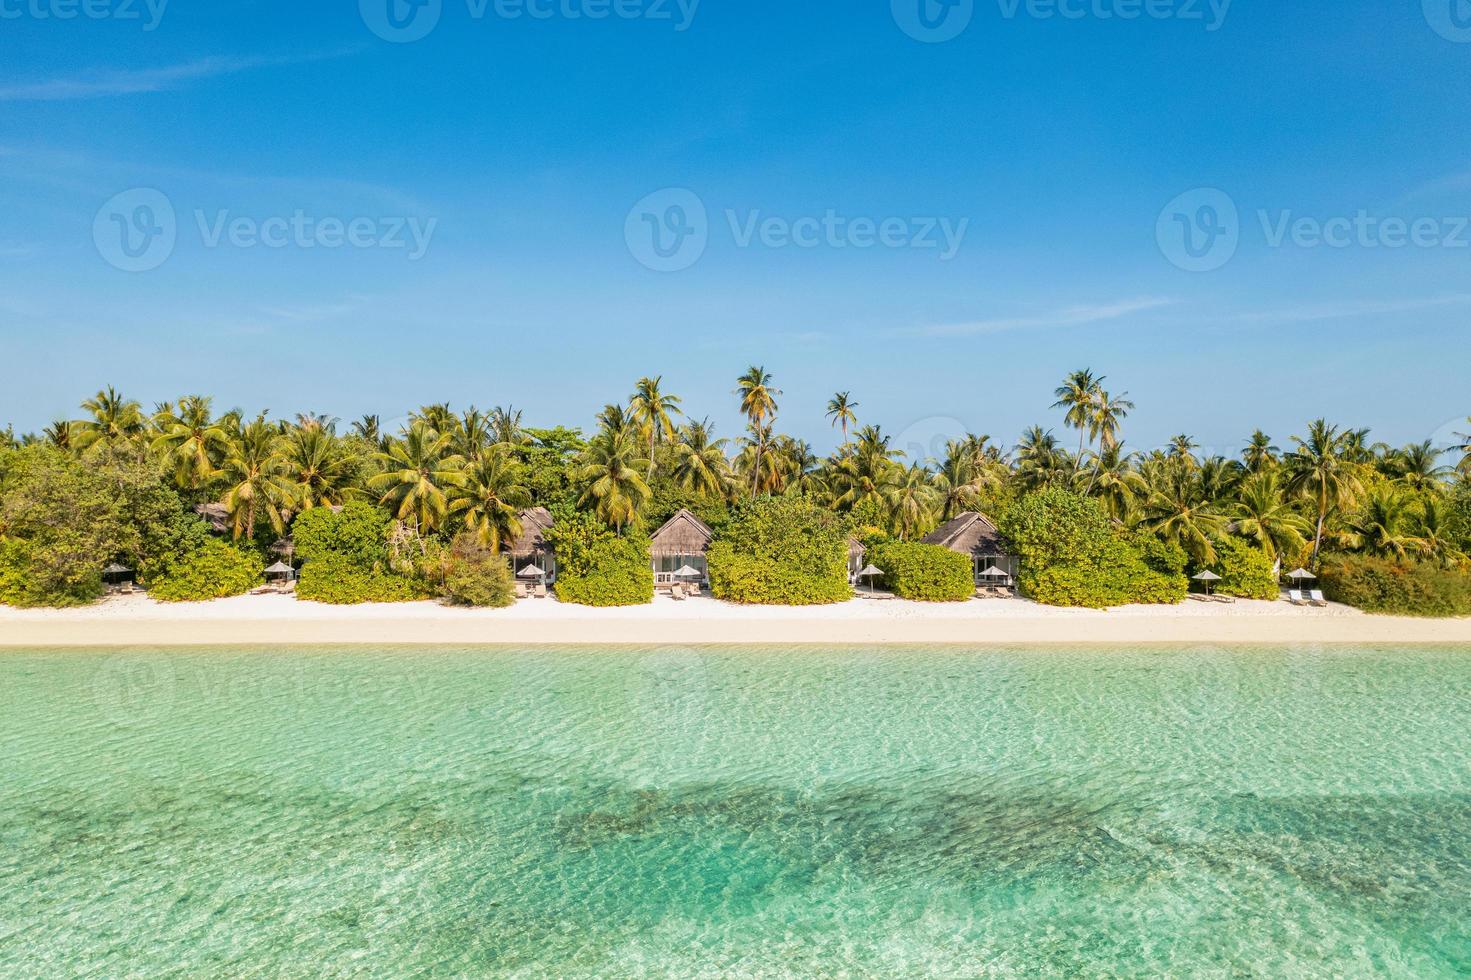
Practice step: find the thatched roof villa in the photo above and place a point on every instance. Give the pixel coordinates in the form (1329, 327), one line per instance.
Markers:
(530, 546)
(683, 540)
(973, 534)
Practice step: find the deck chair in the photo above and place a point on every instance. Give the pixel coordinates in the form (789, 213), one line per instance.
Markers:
(1316, 597)
(677, 593)
(541, 591)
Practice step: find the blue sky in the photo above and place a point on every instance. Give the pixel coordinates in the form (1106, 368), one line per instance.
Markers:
(522, 148)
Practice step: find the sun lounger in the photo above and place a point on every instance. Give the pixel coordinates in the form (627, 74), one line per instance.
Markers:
(677, 593)
(1223, 598)
(541, 591)
(1316, 598)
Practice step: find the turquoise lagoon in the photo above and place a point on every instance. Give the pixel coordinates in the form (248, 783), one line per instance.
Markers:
(736, 812)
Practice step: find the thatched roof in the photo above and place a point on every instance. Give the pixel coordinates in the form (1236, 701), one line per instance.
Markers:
(970, 534)
(217, 516)
(682, 534)
(856, 549)
(530, 541)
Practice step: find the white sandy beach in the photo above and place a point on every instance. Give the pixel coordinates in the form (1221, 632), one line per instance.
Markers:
(271, 619)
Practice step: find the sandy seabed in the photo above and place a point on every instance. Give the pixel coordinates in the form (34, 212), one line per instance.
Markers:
(278, 619)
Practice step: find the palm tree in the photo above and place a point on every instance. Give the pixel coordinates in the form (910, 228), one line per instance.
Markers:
(912, 501)
(473, 434)
(1437, 540)
(492, 496)
(1182, 450)
(1109, 413)
(1381, 526)
(438, 417)
(367, 428)
(967, 472)
(191, 440)
(114, 418)
(1464, 448)
(840, 409)
(616, 487)
(1259, 454)
(761, 468)
(1078, 394)
(758, 403)
(58, 434)
(1418, 466)
(319, 467)
(651, 411)
(506, 424)
(1262, 515)
(701, 465)
(1116, 483)
(418, 472)
(1177, 510)
(255, 478)
(1318, 471)
(1040, 460)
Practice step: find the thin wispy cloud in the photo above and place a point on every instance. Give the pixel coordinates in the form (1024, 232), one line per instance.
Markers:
(108, 82)
(1347, 311)
(1072, 316)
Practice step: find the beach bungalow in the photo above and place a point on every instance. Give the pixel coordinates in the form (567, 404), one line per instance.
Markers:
(974, 535)
(856, 551)
(682, 541)
(530, 547)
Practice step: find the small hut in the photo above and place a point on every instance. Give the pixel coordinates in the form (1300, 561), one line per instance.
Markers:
(856, 552)
(973, 534)
(530, 546)
(217, 516)
(682, 541)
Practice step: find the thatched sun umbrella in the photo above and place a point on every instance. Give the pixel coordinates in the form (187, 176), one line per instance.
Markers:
(1207, 578)
(531, 571)
(280, 570)
(116, 572)
(870, 573)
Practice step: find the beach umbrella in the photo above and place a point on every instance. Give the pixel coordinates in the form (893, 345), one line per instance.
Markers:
(1208, 577)
(531, 571)
(280, 568)
(116, 571)
(994, 572)
(869, 573)
(1300, 574)
(688, 572)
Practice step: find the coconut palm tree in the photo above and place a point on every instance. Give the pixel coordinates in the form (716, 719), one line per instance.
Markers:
(367, 428)
(1437, 540)
(1040, 461)
(1261, 514)
(1464, 448)
(1078, 395)
(492, 496)
(758, 403)
(1177, 510)
(191, 439)
(1418, 467)
(967, 472)
(473, 434)
(840, 409)
(912, 501)
(1109, 412)
(1116, 483)
(506, 424)
(701, 465)
(255, 478)
(1259, 455)
(113, 419)
(319, 466)
(1318, 471)
(612, 467)
(653, 412)
(58, 434)
(1381, 526)
(418, 473)
(760, 468)
(1182, 450)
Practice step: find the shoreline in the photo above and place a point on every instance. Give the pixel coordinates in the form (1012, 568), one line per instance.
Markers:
(283, 621)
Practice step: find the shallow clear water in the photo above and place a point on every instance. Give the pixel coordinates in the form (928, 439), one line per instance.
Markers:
(736, 812)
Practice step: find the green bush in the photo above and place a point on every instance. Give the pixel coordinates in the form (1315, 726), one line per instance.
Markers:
(781, 551)
(476, 577)
(1246, 572)
(347, 559)
(1397, 588)
(596, 567)
(1072, 555)
(212, 571)
(925, 572)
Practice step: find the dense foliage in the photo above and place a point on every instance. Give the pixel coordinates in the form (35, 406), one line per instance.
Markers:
(924, 572)
(1072, 555)
(1246, 572)
(596, 567)
(120, 484)
(214, 570)
(476, 576)
(347, 559)
(1397, 587)
(781, 551)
